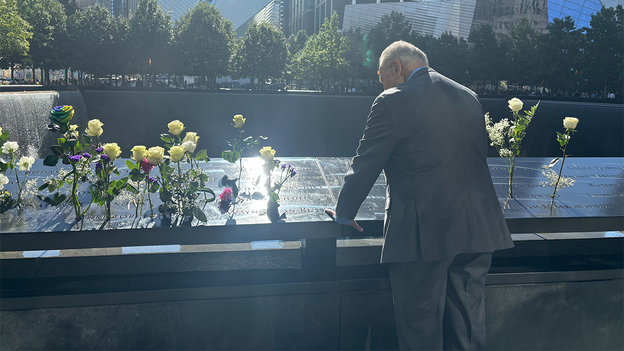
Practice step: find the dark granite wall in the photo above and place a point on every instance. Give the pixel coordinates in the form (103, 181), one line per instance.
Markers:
(320, 125)
(554, 316)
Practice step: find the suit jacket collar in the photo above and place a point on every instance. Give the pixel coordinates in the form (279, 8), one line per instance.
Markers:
(421, 72)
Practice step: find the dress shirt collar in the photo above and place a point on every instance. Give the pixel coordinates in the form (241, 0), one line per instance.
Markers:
(414, 71)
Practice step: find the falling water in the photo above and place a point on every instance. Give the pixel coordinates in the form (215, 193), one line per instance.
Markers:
(26, 116)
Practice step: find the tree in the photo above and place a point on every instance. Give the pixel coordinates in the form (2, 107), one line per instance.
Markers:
(524, 53)
(262, 53)
(488, 59)
(91, 36)
(605, 44)
(561, 55)
(70, 6)
(297, 42)
(15, 34)
(325, 52)
(391, 28)
(449, 56)
(355, 53)
(48, 19)
(204, 42)
(149, 37)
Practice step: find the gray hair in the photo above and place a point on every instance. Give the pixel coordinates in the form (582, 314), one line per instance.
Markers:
(406, 53)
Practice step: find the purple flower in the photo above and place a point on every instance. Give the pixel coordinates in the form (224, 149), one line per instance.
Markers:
(152, 180)
(284, 166)
(104, 158)
(86, 155)
(75, 158)
(98, 166)
(99, 149)
(293, 172)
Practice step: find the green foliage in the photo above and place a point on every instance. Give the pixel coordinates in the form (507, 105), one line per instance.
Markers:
(92, 29)
(561, 55)
(605, 49)
(15, 34)
(324, 53)
(149, 36)
(204, 42)
(262, 53)
(489, 58)
(391, 28)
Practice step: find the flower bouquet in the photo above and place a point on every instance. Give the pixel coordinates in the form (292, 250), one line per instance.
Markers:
(24, 164)
(236, 153)
(557, 181)
(273, 188)
(507, 136)
(182, 189)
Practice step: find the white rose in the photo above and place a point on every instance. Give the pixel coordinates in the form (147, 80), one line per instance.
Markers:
(25, 163)
(9, 146)
(515, 104)
(570, 122)
(3, 181)
(189, 146)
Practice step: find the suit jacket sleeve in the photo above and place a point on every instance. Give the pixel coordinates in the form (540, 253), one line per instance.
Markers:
(376, 147)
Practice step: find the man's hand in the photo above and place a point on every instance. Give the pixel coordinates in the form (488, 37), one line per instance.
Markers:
(353, 223)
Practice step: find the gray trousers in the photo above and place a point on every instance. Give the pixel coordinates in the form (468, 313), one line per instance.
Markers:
(439, 305)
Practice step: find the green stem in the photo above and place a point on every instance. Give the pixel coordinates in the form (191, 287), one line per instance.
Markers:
(511, 172)
(74, 195)
(149, 198)
(560, 169)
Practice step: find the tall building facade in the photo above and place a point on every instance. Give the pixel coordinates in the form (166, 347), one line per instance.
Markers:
(125, 8)
(243, 13)
(461, 16)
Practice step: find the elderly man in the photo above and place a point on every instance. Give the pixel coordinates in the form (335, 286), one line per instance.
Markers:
(443, 219)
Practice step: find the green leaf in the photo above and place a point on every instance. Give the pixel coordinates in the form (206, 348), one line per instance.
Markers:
(201, 155)
(199, 214)
(154, 188)
(274, 196)
(136, 175)
(86, 140)
(42, 187)
(116, 172)
(61, 141)
(131, 165)
(71, 143)
(131, 189)
(51, 160)
(57, 150)
(209, 191)
(229, 156)
(59, 198)
(51, 188)
(166, 138)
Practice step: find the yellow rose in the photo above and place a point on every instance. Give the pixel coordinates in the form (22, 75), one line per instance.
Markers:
(191, 136)
(267, 153)
(239, 121)
(94, 128)
(155, 155)
(0, 130)
(175, 127)
(176, 153)
(139, 152)
(189, 146)
(515, 104)
(112, 150)
(72, 130)
(570, 122)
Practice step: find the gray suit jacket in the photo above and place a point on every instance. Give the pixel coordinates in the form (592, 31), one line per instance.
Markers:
(428, 135)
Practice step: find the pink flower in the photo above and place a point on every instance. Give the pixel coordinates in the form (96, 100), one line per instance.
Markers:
(146, 166)
(226, 195)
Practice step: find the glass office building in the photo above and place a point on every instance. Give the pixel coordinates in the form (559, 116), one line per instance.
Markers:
(461, 16)
(243, 13)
